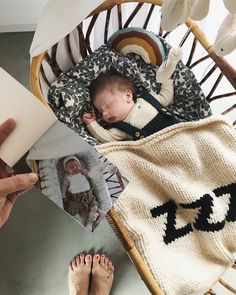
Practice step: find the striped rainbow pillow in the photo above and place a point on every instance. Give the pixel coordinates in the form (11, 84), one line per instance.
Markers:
(139, 41)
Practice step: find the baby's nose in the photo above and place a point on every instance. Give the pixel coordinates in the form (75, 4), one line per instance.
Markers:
(104, 114)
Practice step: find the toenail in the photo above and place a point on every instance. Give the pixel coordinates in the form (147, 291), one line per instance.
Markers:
(96, 256)
(88, 257)
(106, 258)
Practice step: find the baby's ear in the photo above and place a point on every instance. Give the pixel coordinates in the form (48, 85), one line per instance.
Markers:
(129, 94)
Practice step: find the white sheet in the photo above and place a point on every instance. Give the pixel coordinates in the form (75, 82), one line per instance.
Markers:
(58, 18)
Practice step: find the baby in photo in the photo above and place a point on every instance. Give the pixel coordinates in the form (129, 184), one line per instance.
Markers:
(77, 193)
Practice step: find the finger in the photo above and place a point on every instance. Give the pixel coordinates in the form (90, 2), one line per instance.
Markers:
(6, 128)
(3, 171)
(17, 183)
(5, 212)
(13, 196)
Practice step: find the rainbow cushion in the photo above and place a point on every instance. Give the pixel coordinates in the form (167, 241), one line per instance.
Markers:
(139, 41)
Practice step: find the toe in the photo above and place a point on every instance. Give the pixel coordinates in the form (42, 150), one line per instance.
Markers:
(88, 259)
(70, 266)
(81, 258)
(103, 257)
(96, 259)
(73, 263)
(110, 267)
(77, 260)
(106, 263)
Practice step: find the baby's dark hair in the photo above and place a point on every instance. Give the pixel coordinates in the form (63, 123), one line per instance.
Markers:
(111, 78)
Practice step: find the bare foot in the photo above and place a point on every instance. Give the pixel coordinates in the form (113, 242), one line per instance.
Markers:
(102, 275)
(78, 276)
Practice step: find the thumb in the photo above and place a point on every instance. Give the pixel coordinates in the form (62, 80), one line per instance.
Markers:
(16, 183)
(6, 128)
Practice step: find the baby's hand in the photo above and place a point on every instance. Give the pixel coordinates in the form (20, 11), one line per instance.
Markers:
(175, 55)
(88, 118)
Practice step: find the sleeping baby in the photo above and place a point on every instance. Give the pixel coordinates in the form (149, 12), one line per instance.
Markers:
(78, 194)
(129, 118)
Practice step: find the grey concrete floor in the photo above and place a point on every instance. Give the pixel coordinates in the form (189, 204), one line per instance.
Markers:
(39, 239)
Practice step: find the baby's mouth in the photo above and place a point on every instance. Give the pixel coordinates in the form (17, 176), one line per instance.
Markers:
(75, 172)
(111, 119)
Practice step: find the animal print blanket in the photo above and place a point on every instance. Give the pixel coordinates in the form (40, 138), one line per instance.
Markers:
(68, 96)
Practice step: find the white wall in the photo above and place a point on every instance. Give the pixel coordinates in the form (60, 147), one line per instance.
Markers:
(19, 15)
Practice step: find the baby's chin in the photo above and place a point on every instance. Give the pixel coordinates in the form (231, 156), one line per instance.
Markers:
(112, 120)
(75, 172)
(115, 119)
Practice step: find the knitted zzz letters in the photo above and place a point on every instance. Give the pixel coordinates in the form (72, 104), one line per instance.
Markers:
(204, 221)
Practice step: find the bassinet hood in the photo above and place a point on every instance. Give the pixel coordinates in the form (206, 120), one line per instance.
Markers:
(59, 17)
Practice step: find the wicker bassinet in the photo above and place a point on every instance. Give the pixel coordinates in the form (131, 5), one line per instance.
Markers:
(47, 66)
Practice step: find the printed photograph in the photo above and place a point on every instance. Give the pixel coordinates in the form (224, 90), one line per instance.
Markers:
(75, 176)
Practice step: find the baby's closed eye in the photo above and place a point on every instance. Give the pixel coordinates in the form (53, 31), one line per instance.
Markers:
(109, 105)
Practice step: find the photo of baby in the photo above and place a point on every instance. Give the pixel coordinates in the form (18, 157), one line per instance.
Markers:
(76, 177)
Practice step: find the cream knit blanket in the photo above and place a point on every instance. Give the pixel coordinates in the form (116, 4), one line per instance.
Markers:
(180, 204)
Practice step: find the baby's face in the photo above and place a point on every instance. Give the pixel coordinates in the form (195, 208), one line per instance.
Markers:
(94, 208)
(114, 104)
(73, 167)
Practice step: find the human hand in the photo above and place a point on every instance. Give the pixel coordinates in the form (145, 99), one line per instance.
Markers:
(88, 118)
(175, 55)
(93, 214)
(11, 186)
